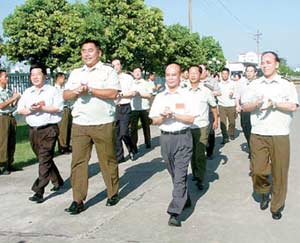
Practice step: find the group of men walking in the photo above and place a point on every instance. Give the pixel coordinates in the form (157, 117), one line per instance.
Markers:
(107, 105)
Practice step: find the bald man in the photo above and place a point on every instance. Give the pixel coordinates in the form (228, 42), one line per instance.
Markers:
(172, 112)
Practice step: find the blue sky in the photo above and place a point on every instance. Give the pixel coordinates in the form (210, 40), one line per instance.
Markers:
(232, 22)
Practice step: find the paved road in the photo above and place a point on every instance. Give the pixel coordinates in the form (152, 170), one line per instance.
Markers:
(225, 211)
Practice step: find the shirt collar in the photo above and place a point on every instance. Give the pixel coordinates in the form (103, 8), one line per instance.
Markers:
(226, 81)
(33, 89)
(179, 90)
(276, 79)
(199, 87)
(96, 67)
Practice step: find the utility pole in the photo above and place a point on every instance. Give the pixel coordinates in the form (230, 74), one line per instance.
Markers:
(190, 14)
(257, 38)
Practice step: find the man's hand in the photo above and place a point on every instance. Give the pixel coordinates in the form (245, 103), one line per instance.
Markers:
(266, 105)
(16, 96)
(81, 90)
(215, 125)
(167, 113)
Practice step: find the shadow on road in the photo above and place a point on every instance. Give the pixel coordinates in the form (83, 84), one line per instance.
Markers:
(210, 177)
(133, 178)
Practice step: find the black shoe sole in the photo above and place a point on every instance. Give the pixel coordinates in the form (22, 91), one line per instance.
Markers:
(33, 199)
(113, 201)
(276, 216)
(74, 212)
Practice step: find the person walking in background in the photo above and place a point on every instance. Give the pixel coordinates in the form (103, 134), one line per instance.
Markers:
(140, 104)
(172, 111)
(213, 86)
(157, 87)
(8, 124)
(65, 125)
(41, 105)
(271, 101)
(251, 72)
(93, 87)
(184, 79)
(123, 113)
(203, 99)
(226, 104)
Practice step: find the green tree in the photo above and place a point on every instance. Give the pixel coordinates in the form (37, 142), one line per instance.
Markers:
(1, 49)
(212, 53)
(132, 32)
(183, 46)
(284, 69)
(46, 31)
(1, 46)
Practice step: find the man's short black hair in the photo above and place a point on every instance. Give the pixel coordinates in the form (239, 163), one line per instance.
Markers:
(277, 59)
(196, 66)
(2, 71)
(59, 74)
(40, 66)
(226, 69)
(137, 67)
(96, 43)
(251, 65)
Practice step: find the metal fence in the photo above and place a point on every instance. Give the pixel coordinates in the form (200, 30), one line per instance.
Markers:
(18, 82)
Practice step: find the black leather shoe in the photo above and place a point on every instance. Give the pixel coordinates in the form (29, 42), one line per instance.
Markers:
(148, 146)
(174, 221)
(264, 203)
(112, 201)
(277, 215)
(75, 208)
(38, 198)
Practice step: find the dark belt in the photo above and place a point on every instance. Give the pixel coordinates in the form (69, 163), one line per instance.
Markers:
(176, 132)
(43, 127)
(6, 114)
(120, 105)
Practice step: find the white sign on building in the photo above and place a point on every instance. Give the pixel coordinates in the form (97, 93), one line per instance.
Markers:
(249, 57)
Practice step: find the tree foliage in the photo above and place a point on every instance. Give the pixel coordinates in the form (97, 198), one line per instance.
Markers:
(187, 48)
(211, 50)
(133, 33)
(1, 47)
(50, 31)
(43, 31)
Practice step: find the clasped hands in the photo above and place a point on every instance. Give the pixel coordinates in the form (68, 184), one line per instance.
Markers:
(83, 89)
(264, 104)
(37, 106)
(167, 113)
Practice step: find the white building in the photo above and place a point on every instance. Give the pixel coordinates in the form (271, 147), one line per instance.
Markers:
(250, 56)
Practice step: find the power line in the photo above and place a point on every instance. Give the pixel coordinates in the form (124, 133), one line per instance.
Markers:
(245, 27)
